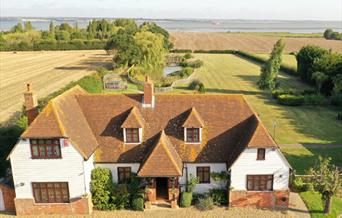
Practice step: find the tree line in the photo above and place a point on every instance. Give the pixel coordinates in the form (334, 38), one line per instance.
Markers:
(331, 34)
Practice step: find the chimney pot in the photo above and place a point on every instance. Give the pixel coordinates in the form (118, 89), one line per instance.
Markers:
(28, 86)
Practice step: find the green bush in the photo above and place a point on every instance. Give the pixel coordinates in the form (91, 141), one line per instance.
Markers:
(205, 203)
(316, 99)
(121, 196)
(201, 88)
(186, 199)
(298, 185)
(102, 187)
(336, 99)
(215, 51)
(138, 203)
(339, 116)
(181, 51)
(291, 100)
(219, 196)
(188, 56)
(277, 92)
(194, 85)
(197, 196)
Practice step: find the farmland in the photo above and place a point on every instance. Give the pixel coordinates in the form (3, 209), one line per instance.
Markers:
(47, 71)
(257, 43)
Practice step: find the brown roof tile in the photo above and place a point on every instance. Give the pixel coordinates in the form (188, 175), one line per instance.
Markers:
(193, 120)
(134, 119)
(164, 156)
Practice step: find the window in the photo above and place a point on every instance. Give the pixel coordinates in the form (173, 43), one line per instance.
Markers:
(259, 182)
(132, 135)
(203, 174)
(45, 149)
(261, 154)
(50, 192)
(123, 174)
(192, 134)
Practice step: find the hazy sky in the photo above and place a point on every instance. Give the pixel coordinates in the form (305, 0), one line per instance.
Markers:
(222, 9)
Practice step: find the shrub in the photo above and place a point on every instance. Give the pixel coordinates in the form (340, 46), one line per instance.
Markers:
(219, 196)
(298, 184)
(197, 196)
(309, 187)
(339, 116)
(188, 56)
(291, 100)
(186, 199)
(193, 181)
(336, 99)
(277, 92)
(194, 84)
(201, 88)
(196, 64)
(205, 203)
(120, 197)
(308, 92)
(138, 203)
(102, 186)
(316, 99)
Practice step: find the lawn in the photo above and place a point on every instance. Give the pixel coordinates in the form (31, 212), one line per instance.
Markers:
(315, 205)
(301, 159)
(287, 59)
(223, 73)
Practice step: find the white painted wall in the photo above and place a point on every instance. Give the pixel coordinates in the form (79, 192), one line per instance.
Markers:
(88, 166)
(201, 188)
(114, 168)
(2, 204)
(247, 164)
(27, 170)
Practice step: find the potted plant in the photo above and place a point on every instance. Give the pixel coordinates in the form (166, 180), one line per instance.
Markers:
(148, 197)
(174, 204)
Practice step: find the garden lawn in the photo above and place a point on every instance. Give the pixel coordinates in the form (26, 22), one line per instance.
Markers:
(316, 206)
(287, 59)
(301, 159)
(224, 73)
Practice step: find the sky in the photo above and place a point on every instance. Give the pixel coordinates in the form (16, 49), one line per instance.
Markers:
(206, 9)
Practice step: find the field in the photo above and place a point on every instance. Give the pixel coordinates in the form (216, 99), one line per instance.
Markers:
(48, 71)
(287, 59)
(257, 43)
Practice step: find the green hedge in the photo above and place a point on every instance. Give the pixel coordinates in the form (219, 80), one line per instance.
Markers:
(138, 203)
(186, 199)
(291, 100)
(216, 51)
(181, 51)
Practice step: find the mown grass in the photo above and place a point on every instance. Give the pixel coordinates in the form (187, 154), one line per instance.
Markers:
(283, 34)
(315, 205)
(287, 59)
(304, 124)
(301, 159)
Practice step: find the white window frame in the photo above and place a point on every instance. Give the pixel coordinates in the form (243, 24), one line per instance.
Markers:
(133, 143)
(200, 136)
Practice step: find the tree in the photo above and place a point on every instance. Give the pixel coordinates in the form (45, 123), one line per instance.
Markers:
(51, 28)
(154, 28)
(269, 72)
(320, 78)
(65, 27)
(28, 26)
(326, 181)
(327, 33)
(17, 28)
(337, 84)
(62, 35)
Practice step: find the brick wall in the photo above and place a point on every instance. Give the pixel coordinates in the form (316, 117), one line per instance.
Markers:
(8, 195)
(278, 199)
(76, 206)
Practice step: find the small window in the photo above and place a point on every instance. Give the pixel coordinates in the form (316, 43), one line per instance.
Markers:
(123, 174)
(132, 135)
(259, 182)
(50, 192)
(203, 174)
(192, 134)
(45, 149)
(261, 154)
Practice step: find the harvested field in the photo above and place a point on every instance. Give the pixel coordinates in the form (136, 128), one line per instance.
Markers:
(243, 41)
(47, 71)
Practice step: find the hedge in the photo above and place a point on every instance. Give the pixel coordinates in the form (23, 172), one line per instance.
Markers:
(291, 100)
(181, 51)
(186, 199)
(216, 51)
(138, 203)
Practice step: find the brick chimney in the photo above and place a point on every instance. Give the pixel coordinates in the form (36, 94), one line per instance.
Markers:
(148, 100)
(31, 104)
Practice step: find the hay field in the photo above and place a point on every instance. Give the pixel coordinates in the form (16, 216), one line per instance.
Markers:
(47, 71)
(256, 43)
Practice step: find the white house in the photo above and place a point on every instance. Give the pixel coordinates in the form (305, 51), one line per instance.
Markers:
(165, 138)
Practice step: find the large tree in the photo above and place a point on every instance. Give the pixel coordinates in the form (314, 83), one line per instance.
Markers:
(269, 72)
(326, 181)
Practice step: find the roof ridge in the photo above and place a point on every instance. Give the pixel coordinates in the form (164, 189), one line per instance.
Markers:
(193, 115)
(162, 137)
(60, 123)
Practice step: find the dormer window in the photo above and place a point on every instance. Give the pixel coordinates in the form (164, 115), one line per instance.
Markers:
(132, 127)
(193, 135)
(132, 135)
(261, 154)
(45, 149)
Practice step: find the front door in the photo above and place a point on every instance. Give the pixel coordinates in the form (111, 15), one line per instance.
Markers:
(162, 188)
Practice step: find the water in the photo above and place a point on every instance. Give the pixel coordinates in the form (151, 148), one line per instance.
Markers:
(196, 25)
(171, 69)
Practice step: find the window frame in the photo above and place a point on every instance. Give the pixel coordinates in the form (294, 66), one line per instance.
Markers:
(192, 133)
(125, 177)
(261, 153)
(44, 186)
(42, 146)
(265, 178)
(131, 134)
(201, 170)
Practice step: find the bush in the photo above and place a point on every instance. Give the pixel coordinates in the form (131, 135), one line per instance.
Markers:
(102, 187)
(197, 196)
(298, 185)
(181, 51)
(205, 203)
(186, 199)
(291, 100)
(339, 116)
(138, 203)
(277, 92)
(316, 99)
(219, 196)
(120, 197)
(336, 99)
(201, 88)
(188, 56)
(194, 85)
(308, 92)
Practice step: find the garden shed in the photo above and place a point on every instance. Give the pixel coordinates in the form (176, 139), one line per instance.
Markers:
(114, 81)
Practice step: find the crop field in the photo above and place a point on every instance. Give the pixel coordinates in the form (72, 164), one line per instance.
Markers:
(294, 125)
(257, 43)
(47, 71)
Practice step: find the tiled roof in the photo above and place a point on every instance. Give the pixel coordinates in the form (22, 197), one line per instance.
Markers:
(228, 125)
(193, 120)
(162, 157)
(134, 119)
